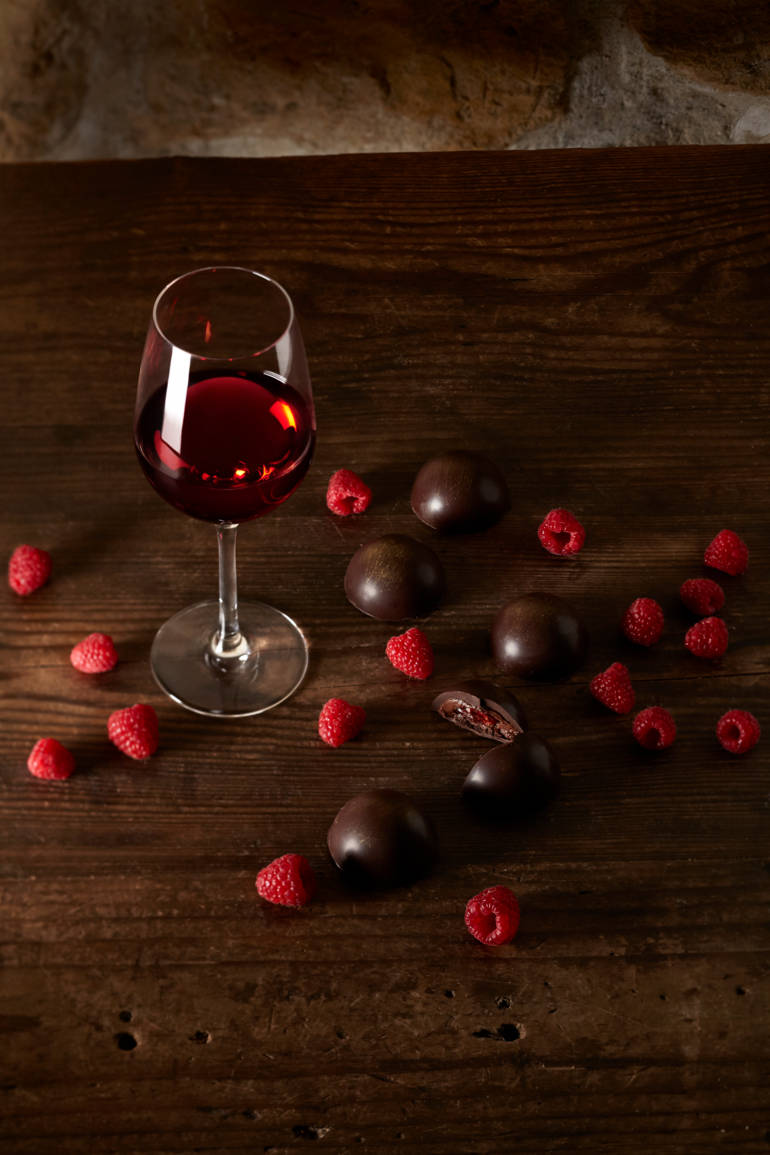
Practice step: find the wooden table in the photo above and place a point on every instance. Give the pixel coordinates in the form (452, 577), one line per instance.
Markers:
(598, 322)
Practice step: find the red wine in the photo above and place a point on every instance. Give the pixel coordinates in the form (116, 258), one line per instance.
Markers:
(239, 446)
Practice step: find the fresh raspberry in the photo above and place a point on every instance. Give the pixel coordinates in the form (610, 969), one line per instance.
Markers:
(561, 533)
(287, 881)
(49, 759)
(95, 654)
(728, 553)
(707, 638)
(702, 595)
(347, 493)
(339, 721)
(411, 653)
(738, 731)
(643, 622)
(613, 688)
(28, 569)
(493, 915)
(134, 730)
(654, 728)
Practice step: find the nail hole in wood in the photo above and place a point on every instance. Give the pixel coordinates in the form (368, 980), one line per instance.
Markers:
(305, 1131)
(508, 1032)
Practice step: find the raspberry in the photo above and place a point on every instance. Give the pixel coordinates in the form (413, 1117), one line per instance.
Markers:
(339, 721)
(134, 730)
(49, 759)
(287, 881)
(493, 915)
(561, 533)
(702, 595)
(738, 731)
(28, 569)
(654, 728)
(643, 622)
(727, 552)
(707, 638)
(613, 688)
(95, 654)
(411, 653)
(347, 493)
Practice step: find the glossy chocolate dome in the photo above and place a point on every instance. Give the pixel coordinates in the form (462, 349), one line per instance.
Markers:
(381, 838)
(539, 635)
(394, 577)
(460, 492)
(518, 778)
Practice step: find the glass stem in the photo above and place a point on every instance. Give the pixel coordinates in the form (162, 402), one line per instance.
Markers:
(228, 642)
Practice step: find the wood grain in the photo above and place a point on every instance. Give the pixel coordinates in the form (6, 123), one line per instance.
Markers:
(598, 322)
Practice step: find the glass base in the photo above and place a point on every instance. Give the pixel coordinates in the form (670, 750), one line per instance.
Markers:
(269, 673)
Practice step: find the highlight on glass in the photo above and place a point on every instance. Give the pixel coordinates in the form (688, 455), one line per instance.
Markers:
(224, 430)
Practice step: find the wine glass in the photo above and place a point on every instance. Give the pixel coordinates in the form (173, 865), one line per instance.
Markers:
(225, 430)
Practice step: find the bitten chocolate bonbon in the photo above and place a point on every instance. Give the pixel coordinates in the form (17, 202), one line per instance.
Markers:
(460, 492)
(482, 708)
(394, 577)
(515, 779)
(539, 635)
(381, 838)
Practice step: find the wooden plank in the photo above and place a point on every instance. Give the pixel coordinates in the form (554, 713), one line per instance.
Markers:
(597, 321)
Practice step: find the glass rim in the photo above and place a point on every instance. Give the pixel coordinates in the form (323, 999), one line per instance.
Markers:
(222, 268)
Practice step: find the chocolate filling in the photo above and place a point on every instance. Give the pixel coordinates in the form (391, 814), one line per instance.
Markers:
(485, 723)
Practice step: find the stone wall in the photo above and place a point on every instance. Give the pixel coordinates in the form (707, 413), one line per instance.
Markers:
(129, 78)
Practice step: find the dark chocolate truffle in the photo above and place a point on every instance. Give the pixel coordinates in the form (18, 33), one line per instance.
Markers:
(460, 492)
(380, 838)
(515, 779)
(483, 708)
(538, 636)
(394, 577)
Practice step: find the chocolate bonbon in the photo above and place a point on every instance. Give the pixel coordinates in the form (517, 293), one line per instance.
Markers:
(483, 708)
(394, 577)
(381, 838)
(460, 492)
(538, 635)
(517, 778)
